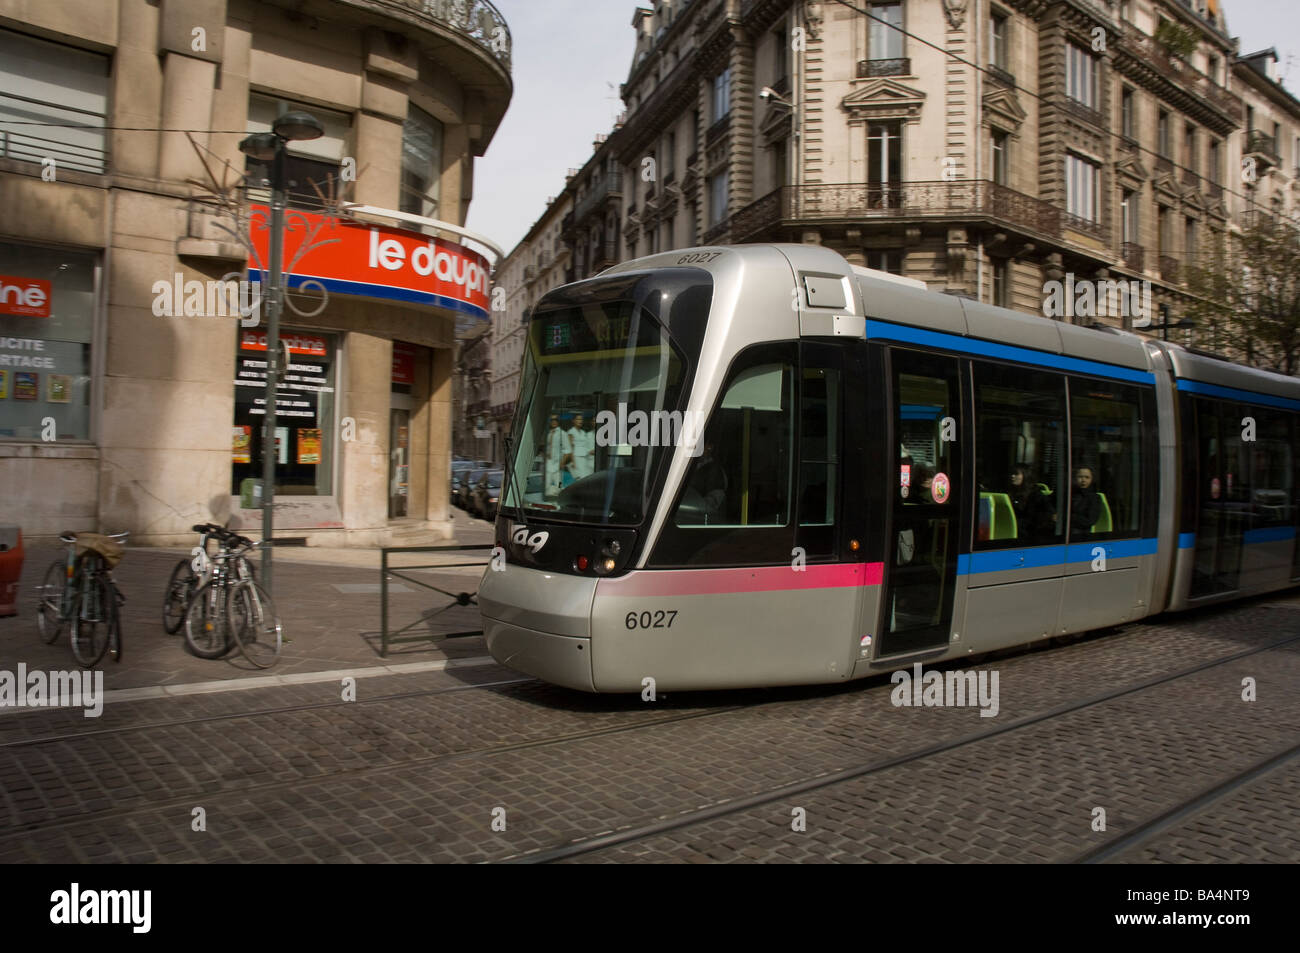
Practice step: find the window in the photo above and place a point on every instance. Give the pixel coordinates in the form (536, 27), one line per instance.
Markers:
(999, 140)
(1020, 456)
(886, 259)
(779, 173)
(670, 157)
(718, 198)
(1106, 459)
(310, 164)
(47, 321)
(1214, 168)
(820, 422)
(421, 163)
(1126, 118)
(998, 40)
(721, 94)
(51, 83)
(1129, 217)
(1001, 291)
(1189, 148)
(1080, 76)
(304, 413)
(780, 57)
(1273, 468)
(1162, 230)
(1189, 241)
(1212, 68)
(1163, 145)
(1081, 178)
(884, 32)
(884, 165)
(735, 503)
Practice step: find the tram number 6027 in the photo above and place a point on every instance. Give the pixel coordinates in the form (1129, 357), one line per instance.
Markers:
(659, 619)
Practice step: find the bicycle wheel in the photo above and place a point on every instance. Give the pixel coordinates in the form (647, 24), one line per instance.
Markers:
(180, 588)
(207, 623)
(92, 615)
(255, 624)
(50, 620)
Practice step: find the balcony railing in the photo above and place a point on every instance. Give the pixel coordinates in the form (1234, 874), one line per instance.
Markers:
(899, 66)
(74, 140)
(1259, 143)
(1082, 111)
(478, 20)
(1080, 224)
(1168, 267)
(717, 130)
(1256, 218)
(716, 232)
(1134, 255)
(782, 86)
(601, 188)
(967, 200)
(1144, 49)
(999, 75)
(1164, 164)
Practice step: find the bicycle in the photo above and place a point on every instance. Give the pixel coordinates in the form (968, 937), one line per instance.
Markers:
(79, 591)
(232, 610)
(185, 579)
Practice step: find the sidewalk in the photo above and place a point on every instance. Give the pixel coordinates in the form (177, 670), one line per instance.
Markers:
(328, 600)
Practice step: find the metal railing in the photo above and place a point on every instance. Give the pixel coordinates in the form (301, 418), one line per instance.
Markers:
(387, 571)
(1260, 143)
(74, 138)
(717, 130)
(1080, 224)
(1005, 77)
(477, 20)
(971, 198)
(898, 66)
(1134, 255)
(1168, 267)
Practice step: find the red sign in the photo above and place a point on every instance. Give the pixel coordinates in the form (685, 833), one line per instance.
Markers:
(29, 297)
(403, 363)
(374, 261)
(298, 343)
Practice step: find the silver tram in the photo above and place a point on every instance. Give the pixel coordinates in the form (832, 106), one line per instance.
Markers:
(760, 465)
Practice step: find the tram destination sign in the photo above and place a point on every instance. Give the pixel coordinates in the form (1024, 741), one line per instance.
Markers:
(578, 332)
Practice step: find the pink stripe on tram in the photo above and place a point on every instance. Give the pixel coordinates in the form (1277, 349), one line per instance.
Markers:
(703, 582)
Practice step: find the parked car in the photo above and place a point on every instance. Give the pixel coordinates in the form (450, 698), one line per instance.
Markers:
(460, 470)
(486, 495)
(467, 484)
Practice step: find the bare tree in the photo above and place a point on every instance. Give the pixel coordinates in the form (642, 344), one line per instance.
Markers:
(1248, 299)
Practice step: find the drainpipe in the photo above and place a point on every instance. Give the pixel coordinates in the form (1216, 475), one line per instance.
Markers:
(979, 145)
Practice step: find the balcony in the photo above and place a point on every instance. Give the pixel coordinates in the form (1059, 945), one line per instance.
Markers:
(899, 66)
(953, 201)
(602, 188)
(1164, 164)
(782, 86)
(715, 234)
(999, 75)
(476, 20)
(1262, 146)
(717, 130)
(1082, 111)
(1086, 226)
(1169, 268)
(1255, 218)
(1185, 86)
(1134, 255)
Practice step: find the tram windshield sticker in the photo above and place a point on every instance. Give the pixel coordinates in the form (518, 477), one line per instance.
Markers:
(939, 487)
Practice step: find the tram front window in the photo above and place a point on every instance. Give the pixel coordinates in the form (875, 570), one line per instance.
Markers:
(600, 399)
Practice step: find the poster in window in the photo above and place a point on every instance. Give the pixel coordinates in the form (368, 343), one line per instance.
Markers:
(58, 389)
(308, 446)
(281, 444)
(27, 386)
(241, 449)
(4, 384)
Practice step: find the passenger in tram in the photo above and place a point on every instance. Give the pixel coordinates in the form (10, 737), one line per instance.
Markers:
(583, 443)
(1085, 504)
(555, 452)
(1035, 514)
(710, 481)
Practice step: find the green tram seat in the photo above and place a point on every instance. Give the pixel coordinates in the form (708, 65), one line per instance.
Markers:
(997, 518)
(1103, 524)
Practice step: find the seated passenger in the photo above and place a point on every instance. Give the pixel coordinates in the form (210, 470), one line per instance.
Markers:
(1035, 514)
(1085, 505)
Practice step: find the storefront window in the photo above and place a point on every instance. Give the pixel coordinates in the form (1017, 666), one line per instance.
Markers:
(304, 413)
(47, 319)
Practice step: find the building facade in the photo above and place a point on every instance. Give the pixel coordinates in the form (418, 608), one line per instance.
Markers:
(130, 406)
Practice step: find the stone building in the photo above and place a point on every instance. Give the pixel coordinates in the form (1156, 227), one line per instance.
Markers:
(984, 146)
(120, 126)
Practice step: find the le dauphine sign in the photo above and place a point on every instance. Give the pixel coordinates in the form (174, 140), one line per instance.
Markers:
(373, 261)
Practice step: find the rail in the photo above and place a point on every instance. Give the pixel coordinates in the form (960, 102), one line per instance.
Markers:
(387, 571)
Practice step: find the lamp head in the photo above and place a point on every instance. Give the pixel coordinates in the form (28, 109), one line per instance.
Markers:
(297, 126)
(260, 146)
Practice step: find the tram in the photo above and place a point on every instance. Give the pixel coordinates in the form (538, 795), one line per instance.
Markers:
(760, 465)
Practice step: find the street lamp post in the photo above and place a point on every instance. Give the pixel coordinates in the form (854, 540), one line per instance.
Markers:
(262, 146)
(1165, 324)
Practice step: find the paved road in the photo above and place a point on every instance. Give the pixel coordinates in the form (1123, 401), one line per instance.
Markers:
(421, 764)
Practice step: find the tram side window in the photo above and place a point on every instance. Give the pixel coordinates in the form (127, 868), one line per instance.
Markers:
(819, 430)
(1020, 456)
(1272, 469)
(1106, 459)
(742, 476)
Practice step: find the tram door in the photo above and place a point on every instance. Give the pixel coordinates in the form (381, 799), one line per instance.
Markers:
(925, 488)
(1222, 502)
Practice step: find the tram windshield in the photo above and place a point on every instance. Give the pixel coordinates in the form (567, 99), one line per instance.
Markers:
(599, 400)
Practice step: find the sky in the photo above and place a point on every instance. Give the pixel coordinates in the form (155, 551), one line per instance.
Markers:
(571, 55)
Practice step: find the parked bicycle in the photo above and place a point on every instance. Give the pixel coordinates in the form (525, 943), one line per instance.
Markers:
(186, 578)
(79, 592)
(231, 610)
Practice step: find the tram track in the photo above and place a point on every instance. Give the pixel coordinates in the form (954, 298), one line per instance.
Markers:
(690, 817)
